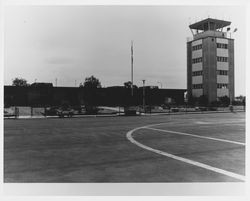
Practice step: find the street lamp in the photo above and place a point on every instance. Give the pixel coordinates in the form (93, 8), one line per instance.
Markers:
(143, 96)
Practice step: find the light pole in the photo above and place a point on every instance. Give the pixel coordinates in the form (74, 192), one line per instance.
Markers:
(143, 95)
(132, 67)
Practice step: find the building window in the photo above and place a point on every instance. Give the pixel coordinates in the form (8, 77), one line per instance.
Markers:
(222, 59)
(222, 46)
(222, 86)
(197, 47)
(197, 86)
(197, 60)
(222, 72)
(196, 73)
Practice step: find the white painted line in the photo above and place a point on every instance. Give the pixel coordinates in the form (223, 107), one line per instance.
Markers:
(198, 136)
(185, 160)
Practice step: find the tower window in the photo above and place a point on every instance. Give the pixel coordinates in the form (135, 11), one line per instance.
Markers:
(222, 46)
(222, 72)
(222, 86)
(197, 47)
(197, 60)
(222, 59)
(197, 86)
(196, 73)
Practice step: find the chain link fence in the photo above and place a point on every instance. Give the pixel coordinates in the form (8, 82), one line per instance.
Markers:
(39, 112)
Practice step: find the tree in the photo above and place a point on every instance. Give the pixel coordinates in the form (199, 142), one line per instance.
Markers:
(19, 82)
(81, 85)
(128, 85)
(244, 100)
(92, 83)
(192, 100)
(130, 99)
(90, 86)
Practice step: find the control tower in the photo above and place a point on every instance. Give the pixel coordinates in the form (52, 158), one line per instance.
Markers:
(210, 60)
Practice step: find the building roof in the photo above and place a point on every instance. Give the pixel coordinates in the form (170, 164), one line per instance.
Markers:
(218, 23)
(41, 84)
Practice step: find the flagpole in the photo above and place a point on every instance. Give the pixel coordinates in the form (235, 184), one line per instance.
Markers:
(132, 68)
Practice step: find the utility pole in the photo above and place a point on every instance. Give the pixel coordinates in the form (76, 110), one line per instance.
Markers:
(143, 96)
(132, 66)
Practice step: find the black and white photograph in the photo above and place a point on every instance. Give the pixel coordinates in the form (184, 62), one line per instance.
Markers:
(125, 95)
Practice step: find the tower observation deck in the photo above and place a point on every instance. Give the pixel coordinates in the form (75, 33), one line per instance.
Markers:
(209, 27)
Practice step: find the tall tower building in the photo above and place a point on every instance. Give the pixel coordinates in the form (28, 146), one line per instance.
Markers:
(210, 60)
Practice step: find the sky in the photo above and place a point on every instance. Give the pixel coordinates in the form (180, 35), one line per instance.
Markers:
(70, 43)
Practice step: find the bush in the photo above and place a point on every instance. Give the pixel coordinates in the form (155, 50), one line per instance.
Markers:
(225, 101)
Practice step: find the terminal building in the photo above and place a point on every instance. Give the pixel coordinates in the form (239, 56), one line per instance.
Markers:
(210, 60)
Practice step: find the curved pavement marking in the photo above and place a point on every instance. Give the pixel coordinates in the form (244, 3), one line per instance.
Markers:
(185, 160)
(198, 136)
(181, 133)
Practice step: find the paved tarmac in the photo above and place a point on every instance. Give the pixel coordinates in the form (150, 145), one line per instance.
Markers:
(98, 150)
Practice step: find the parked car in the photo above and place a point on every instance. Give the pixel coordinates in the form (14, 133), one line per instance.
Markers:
(175, 109)
(201, 108)
(10, 112)
(62, 113)
(50, 111)
(58, 111)
(130, 111)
